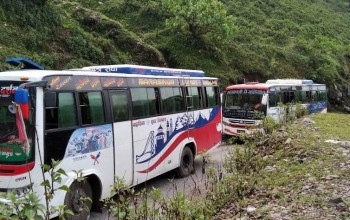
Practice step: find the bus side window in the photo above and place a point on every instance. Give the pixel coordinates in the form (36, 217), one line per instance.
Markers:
(288, 97)
(323, 95)
(120, 107)
(168, 104)
(211, 96)
(298, 96)
(272, 100)
(308, 96)
(314, 95)
(195, 94)
(51, 111)
(284, 98)
(67, 116)
(292, 96)
(145, 102)
(172, 100)
(91, 107)
(179, 99)
(62, 112)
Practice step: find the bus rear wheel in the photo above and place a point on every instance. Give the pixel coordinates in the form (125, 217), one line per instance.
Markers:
(186, 163)
(78, 200)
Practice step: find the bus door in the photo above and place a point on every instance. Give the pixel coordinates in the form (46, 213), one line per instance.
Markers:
(122, 133)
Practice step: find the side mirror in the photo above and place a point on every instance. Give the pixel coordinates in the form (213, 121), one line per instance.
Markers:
(21, 98)
(265, 99)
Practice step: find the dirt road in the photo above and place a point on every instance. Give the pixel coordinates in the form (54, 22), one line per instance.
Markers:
(190, 186)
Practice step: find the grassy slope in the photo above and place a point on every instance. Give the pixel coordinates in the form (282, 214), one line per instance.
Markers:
(275, 39)
(305, 178)
(283, 39)
(64, 35)
(291, 39)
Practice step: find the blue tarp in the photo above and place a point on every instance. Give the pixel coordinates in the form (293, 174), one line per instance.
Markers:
(27, 64)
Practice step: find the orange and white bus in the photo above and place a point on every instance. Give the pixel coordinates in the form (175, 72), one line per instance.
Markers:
(127, 121)
(244, 105)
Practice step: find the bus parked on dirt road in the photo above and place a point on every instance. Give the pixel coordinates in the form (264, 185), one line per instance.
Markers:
(128, 122)
(244, 105)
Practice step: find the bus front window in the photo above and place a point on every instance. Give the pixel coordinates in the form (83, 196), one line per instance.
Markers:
(7, 122)
(242, 104)
(15, 141)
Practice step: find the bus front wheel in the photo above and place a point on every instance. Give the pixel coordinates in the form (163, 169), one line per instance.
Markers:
(186, 163)
(78, 200)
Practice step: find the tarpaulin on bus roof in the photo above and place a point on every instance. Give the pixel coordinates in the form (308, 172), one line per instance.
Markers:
(27, 64)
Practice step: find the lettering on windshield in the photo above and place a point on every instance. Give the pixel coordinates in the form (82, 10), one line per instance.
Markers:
(7, 91)
(246, 91)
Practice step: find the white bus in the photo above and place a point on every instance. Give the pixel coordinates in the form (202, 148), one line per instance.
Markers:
(244, 105)
(131, 122)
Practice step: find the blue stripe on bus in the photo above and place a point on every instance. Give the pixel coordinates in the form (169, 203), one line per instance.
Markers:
(151, 71)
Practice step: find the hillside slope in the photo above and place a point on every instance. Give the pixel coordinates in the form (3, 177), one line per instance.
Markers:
(301, 39)
(297, 173)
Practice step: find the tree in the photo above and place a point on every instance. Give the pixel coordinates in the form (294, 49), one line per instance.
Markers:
(200, 19)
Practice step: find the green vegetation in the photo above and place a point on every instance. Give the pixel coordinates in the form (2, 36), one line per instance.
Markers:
(130, 204)
(293, 173)
(333, 126)
(254, 40)
(205, 21)
(29, 206)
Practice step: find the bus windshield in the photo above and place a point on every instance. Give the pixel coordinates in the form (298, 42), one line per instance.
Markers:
(14, 142)
(244, 104)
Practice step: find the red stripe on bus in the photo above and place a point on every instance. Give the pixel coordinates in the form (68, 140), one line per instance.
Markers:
(197, 134)
(244, 86)
(231, 132)
(166, 153)
(11, 170)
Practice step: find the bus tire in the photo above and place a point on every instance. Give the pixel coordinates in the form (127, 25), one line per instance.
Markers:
(78, 200)
(186, 163)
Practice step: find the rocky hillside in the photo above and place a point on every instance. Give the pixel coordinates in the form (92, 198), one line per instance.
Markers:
(233, 40)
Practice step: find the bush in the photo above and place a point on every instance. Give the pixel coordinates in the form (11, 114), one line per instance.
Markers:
(269, 124)
(300, 110)
(81, 46)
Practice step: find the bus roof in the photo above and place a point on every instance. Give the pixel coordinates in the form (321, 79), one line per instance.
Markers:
(258, 86)
(145, 70)
(290, 81)
(37, 75)
(272, 83)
